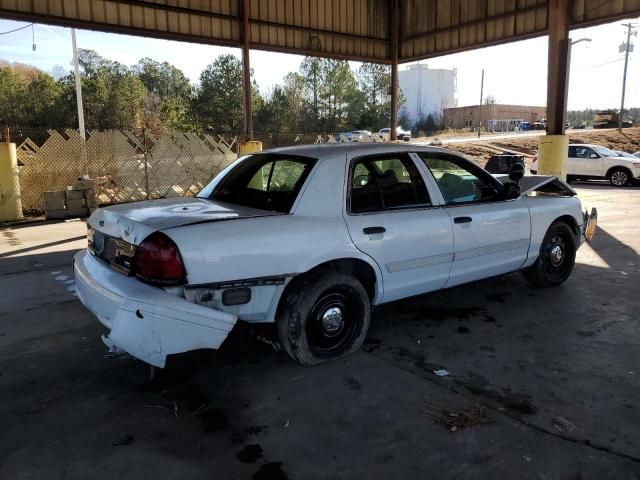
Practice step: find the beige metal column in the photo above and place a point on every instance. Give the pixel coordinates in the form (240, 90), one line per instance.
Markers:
(10, 202)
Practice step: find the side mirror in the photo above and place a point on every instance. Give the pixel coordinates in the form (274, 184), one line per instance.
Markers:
(516, 172)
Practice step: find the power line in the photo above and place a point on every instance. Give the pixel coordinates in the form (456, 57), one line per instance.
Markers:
(16, 29)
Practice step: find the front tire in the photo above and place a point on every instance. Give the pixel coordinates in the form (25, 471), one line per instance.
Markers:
(324, 317)
(556, 258)
(619, 177)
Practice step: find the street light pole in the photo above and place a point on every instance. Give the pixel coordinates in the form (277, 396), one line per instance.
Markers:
(480, 108)
(571, 44)
(624, 75)
(76, 69)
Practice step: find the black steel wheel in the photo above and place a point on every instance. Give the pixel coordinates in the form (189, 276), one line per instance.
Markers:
(556, 258)
(324, 318)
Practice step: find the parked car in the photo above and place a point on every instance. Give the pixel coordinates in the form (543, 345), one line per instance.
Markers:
(342, 137)
(637, 154)
(400, 133)
(312, 238)
(361, 136)
(594, 162)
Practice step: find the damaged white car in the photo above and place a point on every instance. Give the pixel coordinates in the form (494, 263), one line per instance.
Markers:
(312, 238)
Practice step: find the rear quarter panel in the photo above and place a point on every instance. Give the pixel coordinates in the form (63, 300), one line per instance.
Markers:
(285, 245)
(545, 209)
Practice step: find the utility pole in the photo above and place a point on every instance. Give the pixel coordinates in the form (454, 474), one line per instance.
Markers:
(630, 31)
(480, 108)
(76, 69)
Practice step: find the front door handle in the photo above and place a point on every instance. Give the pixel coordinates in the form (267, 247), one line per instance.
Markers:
(373, 230)
(462, 219)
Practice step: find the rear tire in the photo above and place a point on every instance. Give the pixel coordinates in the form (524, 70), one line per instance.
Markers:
(619, 177)
(556, 258)
(324, 318)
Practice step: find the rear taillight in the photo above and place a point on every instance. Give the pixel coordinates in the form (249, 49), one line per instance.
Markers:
(157, 260)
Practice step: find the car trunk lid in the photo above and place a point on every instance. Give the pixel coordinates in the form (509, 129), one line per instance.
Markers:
(133, 222)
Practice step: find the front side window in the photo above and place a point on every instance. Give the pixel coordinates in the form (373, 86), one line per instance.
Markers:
(459, 183)
(386, 182)
(584, 152)
(264, 181)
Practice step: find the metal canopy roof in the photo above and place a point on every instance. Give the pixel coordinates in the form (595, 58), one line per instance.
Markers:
(351, 29)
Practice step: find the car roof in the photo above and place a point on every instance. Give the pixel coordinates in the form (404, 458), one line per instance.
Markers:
(325, 150)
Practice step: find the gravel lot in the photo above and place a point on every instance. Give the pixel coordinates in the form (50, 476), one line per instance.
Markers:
(548, 381)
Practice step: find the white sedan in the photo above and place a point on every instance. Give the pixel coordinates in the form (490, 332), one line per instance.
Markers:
(594, 162)
(312, 238)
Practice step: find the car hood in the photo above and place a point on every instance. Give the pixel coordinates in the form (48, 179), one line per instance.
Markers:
(133, 222)
(541, 183)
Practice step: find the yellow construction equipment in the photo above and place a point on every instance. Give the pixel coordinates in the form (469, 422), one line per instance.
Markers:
(251, 146)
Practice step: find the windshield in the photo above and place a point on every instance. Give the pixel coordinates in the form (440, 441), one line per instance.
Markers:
(605, 152)
(263, 181)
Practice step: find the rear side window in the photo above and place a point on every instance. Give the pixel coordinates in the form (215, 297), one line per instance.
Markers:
(385, 183)
(265, 181)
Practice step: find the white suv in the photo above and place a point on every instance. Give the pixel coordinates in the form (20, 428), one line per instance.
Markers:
(593, 162)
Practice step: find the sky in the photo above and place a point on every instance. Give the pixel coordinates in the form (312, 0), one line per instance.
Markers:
(514, 73)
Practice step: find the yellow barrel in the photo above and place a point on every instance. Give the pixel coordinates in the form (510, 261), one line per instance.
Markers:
(553, 152)
(251, 146)
(10, 204)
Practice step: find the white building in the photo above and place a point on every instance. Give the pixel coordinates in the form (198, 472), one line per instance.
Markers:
(427, 90)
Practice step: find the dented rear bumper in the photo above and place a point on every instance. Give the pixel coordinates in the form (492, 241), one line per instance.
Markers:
(146, 321)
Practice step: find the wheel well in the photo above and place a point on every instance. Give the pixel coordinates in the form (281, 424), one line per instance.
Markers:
(618, 167)
(569, 220)
(351, 266)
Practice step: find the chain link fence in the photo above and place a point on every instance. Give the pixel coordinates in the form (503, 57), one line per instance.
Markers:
(129, 166)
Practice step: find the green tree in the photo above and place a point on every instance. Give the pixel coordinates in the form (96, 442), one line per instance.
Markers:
(12, 92)
(125, 102)
(218, 101)
(375, 80)
(41, 102)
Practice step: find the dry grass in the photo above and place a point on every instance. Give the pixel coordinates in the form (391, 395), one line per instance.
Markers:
(480, 152)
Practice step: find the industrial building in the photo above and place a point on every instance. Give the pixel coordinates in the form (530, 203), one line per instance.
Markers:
(426, 91)
(472, 115)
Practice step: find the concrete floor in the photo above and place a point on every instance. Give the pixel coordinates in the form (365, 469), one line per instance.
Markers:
(557, 372)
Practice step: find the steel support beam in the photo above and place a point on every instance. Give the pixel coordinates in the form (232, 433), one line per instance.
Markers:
(558, 66)
(246, 72)
(393, 134)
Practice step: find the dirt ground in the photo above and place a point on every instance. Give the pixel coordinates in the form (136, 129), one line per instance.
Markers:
(541, 383)
(481, 150)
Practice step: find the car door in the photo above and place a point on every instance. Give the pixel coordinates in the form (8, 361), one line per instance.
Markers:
(572, 161)
(391, 217)
(491, 234)
(587, 162)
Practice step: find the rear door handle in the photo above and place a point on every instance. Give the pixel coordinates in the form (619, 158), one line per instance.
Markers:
(373, 230)
(462, 219)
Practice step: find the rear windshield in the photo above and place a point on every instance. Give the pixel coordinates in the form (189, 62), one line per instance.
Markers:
(265, 181)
